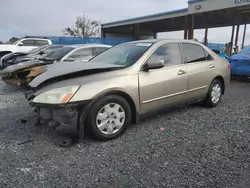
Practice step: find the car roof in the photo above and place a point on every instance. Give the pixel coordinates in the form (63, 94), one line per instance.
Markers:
(34, 38)
(88, 45)
(164, 40)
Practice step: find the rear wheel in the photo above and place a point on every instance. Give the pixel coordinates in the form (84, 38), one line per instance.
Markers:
(214, 94)
(109, 117)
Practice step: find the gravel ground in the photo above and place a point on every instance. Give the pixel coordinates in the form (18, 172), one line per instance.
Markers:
(199, 148)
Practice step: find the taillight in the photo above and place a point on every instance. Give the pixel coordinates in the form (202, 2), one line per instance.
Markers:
(228, 66)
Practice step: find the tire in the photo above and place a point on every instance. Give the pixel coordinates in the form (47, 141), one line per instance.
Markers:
(210, 101)
(105, 110)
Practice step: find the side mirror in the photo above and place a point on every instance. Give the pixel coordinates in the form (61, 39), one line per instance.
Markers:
(20, 44)
(69, 59)
(154, 64)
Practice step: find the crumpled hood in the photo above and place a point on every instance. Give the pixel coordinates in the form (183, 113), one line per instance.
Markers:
(25, 65)
(62, 69)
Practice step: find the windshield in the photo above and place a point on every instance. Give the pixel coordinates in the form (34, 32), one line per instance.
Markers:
(37, 49)
(124, 54)
(59, 53)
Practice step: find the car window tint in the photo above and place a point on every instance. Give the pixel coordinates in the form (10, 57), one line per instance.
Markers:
(59, 53)
(82, 54)
(208, 56)
(169, 53)
(50, 49)
(41, 42)
(37, 49)
(98, 50)
(28, 43)
(194, 53)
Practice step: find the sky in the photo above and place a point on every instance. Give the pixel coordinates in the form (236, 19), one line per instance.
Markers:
(49, 17)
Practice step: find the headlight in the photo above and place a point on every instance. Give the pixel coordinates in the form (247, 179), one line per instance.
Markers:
(57, 96)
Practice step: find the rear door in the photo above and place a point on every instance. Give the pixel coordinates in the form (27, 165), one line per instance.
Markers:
(165, 86)
(199, 66)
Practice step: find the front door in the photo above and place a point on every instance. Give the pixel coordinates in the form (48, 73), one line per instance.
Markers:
(165, 86)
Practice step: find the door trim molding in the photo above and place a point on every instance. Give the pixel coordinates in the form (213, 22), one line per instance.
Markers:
(198, 88)
(173, 95)
(164, 97)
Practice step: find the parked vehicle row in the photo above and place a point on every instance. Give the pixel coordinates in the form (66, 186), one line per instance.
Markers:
(23, 45)
(14, 58)
(22, 73)
(113, 89)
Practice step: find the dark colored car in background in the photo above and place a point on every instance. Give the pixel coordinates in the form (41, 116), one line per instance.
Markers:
(23, 73)
(14, 58)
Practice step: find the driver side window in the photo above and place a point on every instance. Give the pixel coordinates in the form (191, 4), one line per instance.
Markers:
(169, 53)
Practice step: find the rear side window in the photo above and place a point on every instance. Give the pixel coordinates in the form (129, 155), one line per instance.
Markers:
(170, 53)
(98, 50)
(208, 56)
(194, 53)
(28, 43)
(41, 42)
(82, 54)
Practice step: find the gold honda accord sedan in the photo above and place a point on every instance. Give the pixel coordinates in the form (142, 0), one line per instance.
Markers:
(114, 88)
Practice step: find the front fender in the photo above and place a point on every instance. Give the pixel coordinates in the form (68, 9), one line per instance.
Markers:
(126, 84)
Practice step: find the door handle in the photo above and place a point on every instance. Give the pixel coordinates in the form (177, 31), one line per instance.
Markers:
(211, 66)
(181, 72)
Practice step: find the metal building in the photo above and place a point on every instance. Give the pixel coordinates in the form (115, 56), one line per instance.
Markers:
(200, 14)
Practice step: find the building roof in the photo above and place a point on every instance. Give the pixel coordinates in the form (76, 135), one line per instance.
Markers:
(152, 17)
(226, 12)
(194, 1)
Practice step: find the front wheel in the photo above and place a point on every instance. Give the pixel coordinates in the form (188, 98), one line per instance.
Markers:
(109, 117)
(214, 94)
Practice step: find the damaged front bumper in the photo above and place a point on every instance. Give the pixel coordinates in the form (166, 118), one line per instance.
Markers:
(10, 80)
(17, 78)
(64, 118)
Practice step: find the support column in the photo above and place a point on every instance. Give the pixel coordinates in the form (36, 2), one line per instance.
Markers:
(232, 39)
(236, 38)
(206, 41)
(244, 36)
(186, 28)
(191, 28)
(155, 35)
(103, 33)
(136, 31)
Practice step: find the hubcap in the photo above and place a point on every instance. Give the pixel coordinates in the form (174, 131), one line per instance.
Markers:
(110, 118)
(216, 93)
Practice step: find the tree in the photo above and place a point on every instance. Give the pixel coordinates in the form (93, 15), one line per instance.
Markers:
(84, 27)
(13, 39)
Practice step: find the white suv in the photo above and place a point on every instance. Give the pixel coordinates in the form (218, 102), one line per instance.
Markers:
(23, 45)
